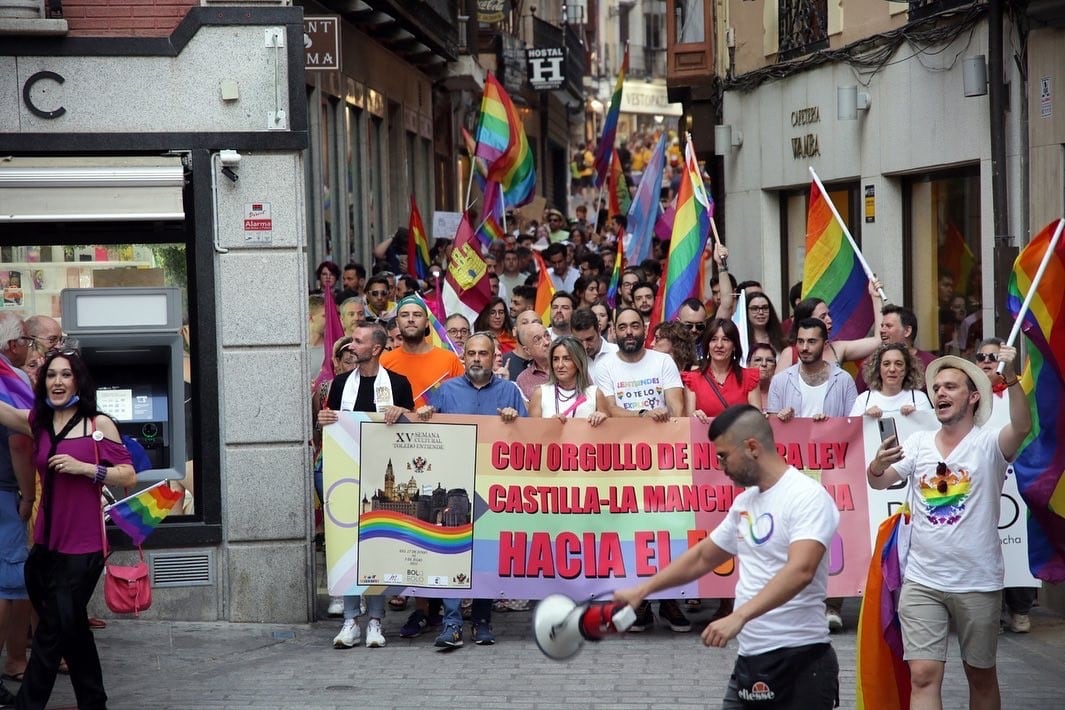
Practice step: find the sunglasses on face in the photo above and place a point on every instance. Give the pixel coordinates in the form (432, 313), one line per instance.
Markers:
(378, 294)
(986, 357)
(697, 327)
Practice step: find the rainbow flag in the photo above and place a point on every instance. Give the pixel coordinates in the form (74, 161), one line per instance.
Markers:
(438, 337)
(490, 228)
(13, 389)
(417, 244)
(605, 149)
(956, 257)
(140, 513)
(883, 676)
(502, 145)
(1041, 462)
(479, 168)
(617, 187)
(690, 229)
(615, 275)
(545, 289)
(646, 206)
(833, 273)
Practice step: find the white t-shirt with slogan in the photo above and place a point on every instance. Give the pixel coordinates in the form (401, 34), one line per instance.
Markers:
(954, 544)
(759, 529)
(638, 385)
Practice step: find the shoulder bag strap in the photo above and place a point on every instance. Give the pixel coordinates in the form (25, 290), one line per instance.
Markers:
(717, 390)
(48, 480)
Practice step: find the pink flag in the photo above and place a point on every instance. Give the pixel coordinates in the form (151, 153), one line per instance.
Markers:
(333, 332)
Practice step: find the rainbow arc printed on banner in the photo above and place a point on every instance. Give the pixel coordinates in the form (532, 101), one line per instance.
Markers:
(833, 272)
(139, 514)
(1040, 464)
(390, 525)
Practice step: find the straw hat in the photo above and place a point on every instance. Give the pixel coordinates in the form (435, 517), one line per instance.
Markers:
(974, 373)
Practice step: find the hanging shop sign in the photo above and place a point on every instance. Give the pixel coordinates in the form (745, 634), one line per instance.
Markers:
(546, 68)
(490, 12)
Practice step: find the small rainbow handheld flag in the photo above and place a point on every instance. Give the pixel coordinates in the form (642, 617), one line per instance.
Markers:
(833, 272)
(13, 390)
(1041, 461)
(545, 289)
(615, 276)
(140, 513)
(417, 244)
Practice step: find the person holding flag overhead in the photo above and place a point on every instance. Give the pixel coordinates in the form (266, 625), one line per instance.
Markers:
(954, 568)
(77, 450)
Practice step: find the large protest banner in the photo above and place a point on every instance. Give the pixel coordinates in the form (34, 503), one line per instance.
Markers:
(557, 507)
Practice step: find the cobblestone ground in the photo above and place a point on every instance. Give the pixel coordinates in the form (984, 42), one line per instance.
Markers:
(219, 665)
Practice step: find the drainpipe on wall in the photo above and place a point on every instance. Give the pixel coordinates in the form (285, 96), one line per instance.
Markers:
(999, 192)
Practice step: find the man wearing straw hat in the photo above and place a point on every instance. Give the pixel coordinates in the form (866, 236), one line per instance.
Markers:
(954, 568)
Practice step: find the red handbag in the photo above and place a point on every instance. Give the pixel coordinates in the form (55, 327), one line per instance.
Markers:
(128, 590)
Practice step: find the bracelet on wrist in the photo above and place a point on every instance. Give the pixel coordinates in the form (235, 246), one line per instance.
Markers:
(874, 474)
(1015, 382)
(101, 473)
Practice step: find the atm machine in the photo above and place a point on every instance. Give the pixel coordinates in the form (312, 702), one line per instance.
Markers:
(130, 339)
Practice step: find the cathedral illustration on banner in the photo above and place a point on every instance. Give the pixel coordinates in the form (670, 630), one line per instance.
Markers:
(408, 498)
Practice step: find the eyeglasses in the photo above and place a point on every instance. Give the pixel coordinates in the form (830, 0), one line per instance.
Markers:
(379, 294)
(697, 327)
(986, 357)
(758, 309)
(941, 474)
(458, 331)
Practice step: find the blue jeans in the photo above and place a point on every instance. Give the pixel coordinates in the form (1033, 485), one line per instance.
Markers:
(816, 687)
(482, 611)
(375, 606)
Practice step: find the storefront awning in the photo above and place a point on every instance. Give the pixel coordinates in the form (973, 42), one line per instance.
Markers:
(91, 189)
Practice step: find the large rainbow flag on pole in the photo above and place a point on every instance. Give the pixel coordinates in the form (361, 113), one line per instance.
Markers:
(1041, 462)
(690, 230)
(417, 244)
(605, 148)
(140, 513)
(502, 145)
(833, 270)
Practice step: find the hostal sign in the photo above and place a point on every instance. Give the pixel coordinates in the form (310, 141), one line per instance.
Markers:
(805, 146)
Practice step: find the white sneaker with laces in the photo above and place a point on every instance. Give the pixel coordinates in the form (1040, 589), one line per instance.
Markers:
(835, 621)
(375, 638)
(1020, 623)
(348, 636)
(336, 606)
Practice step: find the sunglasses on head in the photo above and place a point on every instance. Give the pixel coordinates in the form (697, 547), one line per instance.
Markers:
(941, 474)
(986, 357)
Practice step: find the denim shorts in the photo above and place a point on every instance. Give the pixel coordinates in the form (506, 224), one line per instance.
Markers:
(816, 687)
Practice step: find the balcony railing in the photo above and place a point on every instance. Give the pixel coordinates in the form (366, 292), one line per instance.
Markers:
(803, 27)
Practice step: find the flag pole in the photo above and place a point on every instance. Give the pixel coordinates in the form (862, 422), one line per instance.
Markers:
(469, 184)
(503, 209)
(1016, 329)
(847, 233)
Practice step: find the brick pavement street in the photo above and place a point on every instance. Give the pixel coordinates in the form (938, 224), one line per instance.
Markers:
(221, 665)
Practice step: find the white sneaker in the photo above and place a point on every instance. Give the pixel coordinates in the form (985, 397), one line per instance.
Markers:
(835, 621)
(349, 635)
(336, 606)
(1020, 623)
(374, 637)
